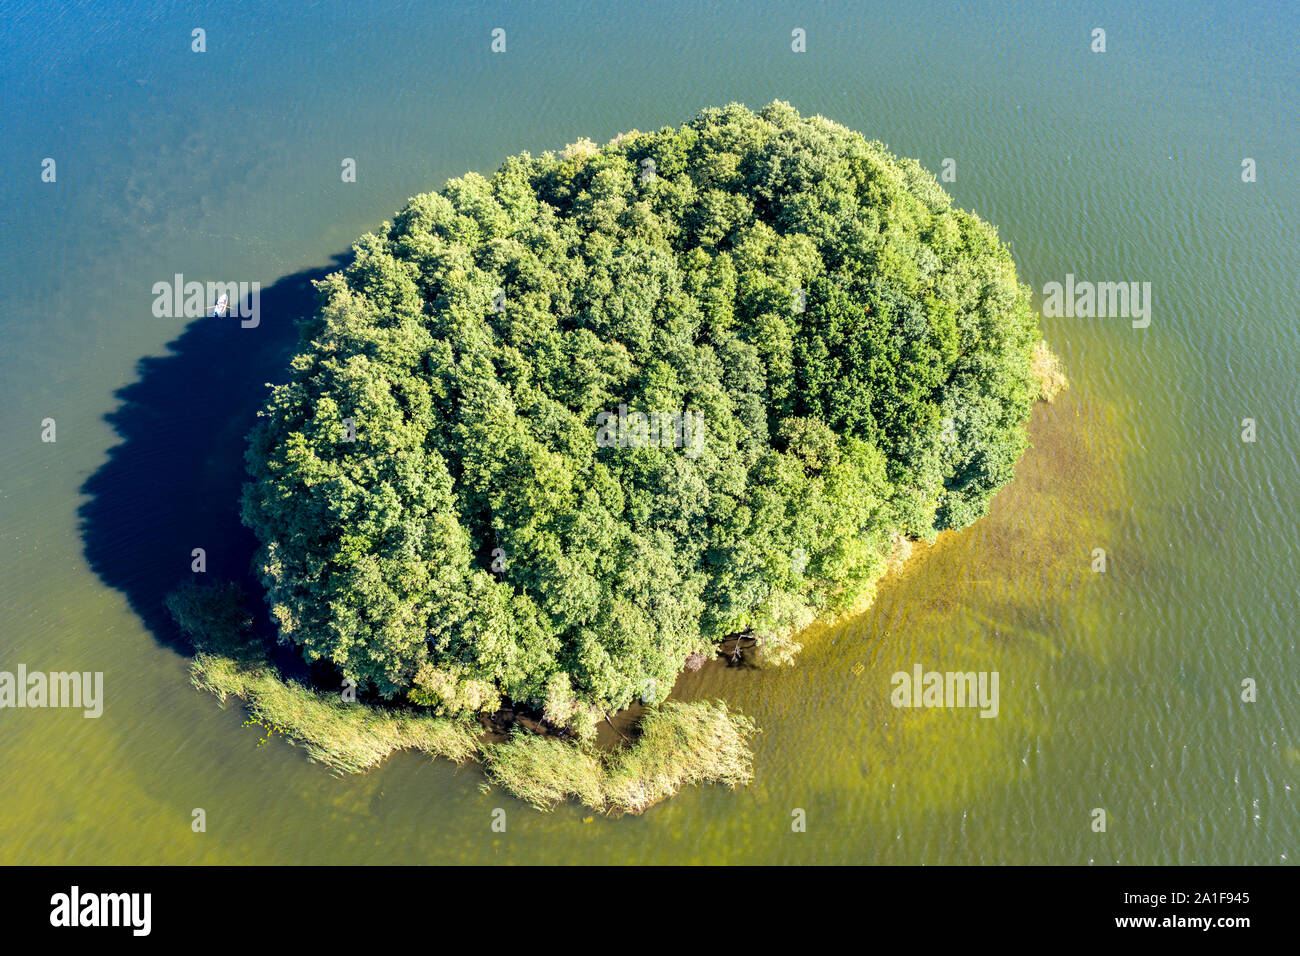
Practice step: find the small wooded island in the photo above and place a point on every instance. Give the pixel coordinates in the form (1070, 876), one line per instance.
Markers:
(554, 435)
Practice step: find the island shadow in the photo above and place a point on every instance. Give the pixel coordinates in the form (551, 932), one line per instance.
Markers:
(173, 483)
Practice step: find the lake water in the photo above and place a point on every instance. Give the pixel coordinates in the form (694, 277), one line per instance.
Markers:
(1119, 690)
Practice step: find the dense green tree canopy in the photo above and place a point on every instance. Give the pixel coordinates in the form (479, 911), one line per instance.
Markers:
(853, 353)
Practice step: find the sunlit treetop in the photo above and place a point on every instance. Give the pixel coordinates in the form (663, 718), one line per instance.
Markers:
(458, 500)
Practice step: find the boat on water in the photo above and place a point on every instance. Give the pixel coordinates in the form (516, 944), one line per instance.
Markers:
(222, 306)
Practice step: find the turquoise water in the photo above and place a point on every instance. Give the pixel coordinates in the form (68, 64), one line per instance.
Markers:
(1119, 691)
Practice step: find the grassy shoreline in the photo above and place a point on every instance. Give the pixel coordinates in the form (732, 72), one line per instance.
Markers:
(679, 743)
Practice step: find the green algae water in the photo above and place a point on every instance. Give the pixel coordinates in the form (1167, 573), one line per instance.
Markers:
(1120, 690)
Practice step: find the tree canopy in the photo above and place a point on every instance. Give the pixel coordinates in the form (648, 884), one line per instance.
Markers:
(436, 514)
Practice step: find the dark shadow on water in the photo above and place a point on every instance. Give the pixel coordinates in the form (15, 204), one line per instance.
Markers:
(173, 482)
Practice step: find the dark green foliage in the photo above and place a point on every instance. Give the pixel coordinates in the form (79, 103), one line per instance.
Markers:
(215, 617)
(858, 350)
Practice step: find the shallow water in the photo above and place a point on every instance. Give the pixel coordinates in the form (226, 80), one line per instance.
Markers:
(1118, 690)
